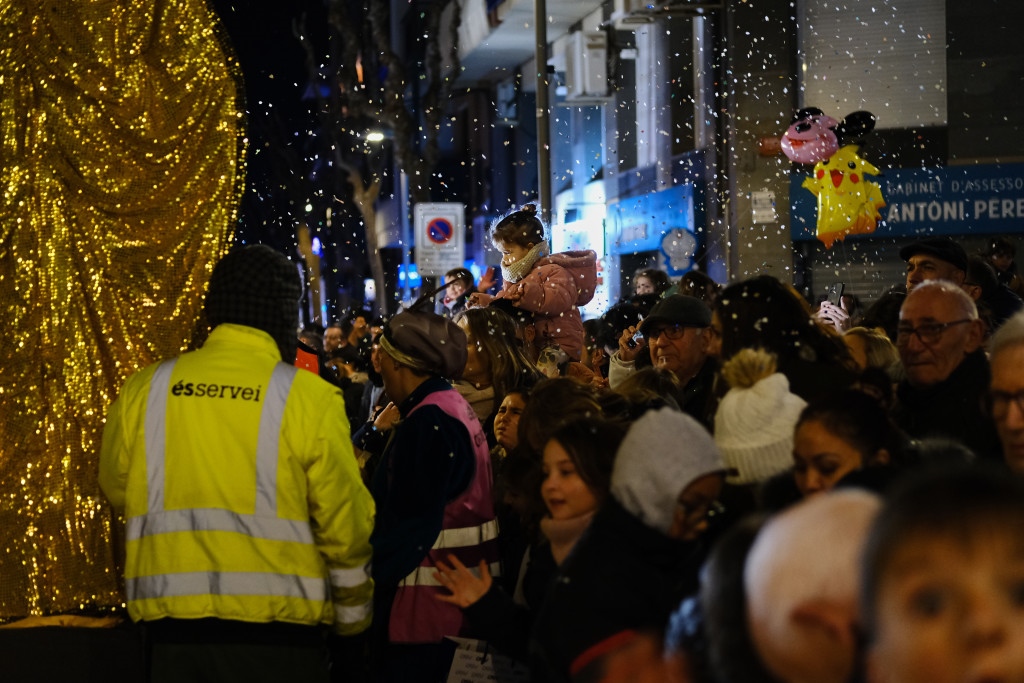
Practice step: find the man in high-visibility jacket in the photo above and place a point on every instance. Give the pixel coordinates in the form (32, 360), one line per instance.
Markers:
(433, 493)
(248, 523)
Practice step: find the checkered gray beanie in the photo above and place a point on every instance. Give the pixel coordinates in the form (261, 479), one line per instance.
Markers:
(258, 287)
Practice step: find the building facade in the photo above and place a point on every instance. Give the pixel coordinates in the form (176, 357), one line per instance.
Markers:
(664, 127)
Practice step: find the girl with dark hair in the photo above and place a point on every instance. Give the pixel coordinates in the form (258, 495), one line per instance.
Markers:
(553, 403)
(552, 287)
(577, 470)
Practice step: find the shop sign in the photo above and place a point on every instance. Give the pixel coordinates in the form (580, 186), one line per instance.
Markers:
(952, 200)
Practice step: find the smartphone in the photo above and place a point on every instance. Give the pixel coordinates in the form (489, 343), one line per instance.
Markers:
(835, 293)
(637, 337)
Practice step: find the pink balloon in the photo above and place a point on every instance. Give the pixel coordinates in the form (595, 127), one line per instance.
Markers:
(811, 139)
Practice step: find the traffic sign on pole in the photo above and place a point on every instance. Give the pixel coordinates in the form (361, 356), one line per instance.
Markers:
(440, 237)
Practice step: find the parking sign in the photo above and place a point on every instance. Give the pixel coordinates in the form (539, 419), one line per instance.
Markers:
(440, 237)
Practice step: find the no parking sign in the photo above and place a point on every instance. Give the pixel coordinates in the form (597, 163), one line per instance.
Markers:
(440, 237)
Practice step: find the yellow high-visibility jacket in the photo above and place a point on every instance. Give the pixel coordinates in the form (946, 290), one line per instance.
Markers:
(242, 496)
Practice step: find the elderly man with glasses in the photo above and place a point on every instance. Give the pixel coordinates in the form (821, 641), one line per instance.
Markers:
(678, 337)
(940, 339)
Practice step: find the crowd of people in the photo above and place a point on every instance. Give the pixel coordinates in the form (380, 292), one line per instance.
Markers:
(710, 484)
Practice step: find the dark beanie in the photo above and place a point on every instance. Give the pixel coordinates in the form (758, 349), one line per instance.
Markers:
(258, 287)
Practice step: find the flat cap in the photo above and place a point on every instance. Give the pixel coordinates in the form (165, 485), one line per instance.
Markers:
(943, 248)
(678, 309)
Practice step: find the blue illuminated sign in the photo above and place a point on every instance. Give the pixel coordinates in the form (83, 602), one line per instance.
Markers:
(641, 223)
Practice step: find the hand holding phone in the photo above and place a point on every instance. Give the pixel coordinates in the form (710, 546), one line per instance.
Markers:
(631, 343)
(638, 336)
(831, 310)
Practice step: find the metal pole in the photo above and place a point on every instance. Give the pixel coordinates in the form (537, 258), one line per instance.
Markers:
(540, 13)
(405, 234)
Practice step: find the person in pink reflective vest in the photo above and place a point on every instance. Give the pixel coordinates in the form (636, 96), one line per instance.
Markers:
(432, 486)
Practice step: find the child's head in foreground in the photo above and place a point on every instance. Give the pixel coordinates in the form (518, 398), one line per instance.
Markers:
(943, 579)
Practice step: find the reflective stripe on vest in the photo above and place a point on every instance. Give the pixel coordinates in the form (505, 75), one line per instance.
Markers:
(350, 578)
(226, 583)
(213, 519)
(269, 437)
(351, 615)
(156, 412)
(456, 538)
(424, 576)
(466, 536)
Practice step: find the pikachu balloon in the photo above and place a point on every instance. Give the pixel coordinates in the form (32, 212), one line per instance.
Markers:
(848, 204)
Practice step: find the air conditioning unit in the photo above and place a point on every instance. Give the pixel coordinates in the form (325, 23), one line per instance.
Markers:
(507, 102)
(586, 67)
(628, 15)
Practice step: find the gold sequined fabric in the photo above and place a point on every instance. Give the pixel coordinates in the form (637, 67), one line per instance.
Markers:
(121, 164)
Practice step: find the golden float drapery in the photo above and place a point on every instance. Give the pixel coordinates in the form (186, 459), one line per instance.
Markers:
(121, 162)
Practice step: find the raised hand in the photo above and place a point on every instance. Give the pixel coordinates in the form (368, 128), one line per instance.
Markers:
(834, 315)
(486, 280)
(466, 586)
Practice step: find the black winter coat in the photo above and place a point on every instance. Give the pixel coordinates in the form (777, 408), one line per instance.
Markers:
(621, 576)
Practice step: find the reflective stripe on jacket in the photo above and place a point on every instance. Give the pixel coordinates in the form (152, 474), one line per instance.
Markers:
(242, 497)
(469, 531)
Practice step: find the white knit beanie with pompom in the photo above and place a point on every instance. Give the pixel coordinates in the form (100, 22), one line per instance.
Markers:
(756, 418)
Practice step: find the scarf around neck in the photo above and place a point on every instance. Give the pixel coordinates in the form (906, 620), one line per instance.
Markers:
(563, 533)
(518, 270)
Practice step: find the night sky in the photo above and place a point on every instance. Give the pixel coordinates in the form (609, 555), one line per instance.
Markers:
(275, 73)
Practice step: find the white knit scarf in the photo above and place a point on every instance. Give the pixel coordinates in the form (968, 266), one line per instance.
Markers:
(518, 270)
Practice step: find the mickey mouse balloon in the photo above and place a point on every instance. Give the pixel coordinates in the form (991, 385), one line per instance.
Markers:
(811, 137)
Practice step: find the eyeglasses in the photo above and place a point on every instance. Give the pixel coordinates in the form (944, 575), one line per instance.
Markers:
(928, 333)
(672, 332)
(694, 515)
(999, 403)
